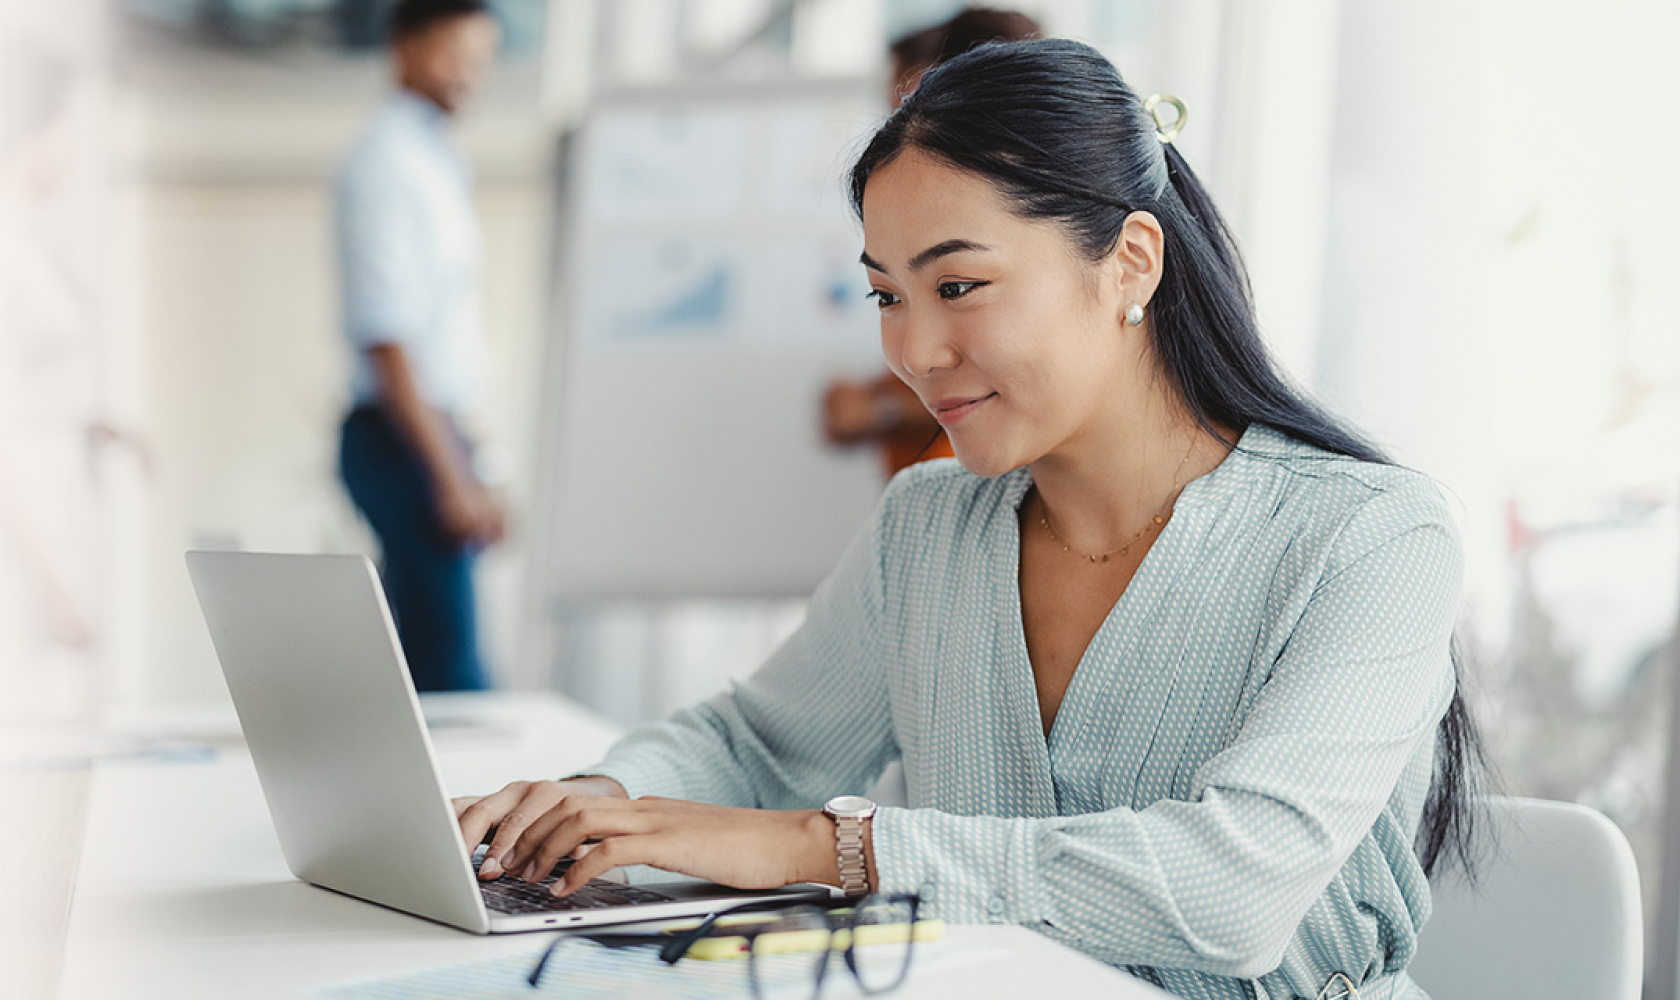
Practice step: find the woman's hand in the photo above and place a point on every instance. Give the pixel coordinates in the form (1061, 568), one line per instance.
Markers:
(743, 848)
(513, 809)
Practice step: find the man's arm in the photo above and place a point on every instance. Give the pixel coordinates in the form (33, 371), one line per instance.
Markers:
(884, 410)
(466, 510)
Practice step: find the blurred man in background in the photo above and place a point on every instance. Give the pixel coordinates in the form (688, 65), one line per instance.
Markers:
(410, 260)
(885, 412)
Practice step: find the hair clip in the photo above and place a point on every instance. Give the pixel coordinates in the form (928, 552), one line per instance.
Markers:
(1166, 131)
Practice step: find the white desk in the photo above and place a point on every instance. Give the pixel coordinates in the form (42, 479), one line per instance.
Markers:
(183, 892)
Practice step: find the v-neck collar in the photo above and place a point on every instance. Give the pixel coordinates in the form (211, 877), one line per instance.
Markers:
(1174, 550)
(1258, 440)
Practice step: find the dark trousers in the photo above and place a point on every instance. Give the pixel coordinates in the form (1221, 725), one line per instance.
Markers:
(428, 578)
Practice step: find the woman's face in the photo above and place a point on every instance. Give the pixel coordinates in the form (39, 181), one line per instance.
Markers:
(1015, 344)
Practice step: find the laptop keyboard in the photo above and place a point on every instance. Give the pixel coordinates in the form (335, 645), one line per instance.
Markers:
(510, 894)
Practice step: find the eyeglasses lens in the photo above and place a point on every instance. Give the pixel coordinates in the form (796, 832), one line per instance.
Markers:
(789, 957)
(882, 929)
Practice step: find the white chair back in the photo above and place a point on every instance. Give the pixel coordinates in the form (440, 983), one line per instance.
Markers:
(1555, 914)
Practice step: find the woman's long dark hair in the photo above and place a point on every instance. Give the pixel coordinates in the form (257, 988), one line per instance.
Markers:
(1053, 126)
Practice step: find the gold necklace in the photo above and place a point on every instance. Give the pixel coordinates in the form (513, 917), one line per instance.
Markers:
(1157, 521)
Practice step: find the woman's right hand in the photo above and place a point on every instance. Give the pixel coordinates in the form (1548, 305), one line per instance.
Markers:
(513, 809)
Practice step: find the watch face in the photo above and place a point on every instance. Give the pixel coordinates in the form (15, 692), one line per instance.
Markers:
(849, 805)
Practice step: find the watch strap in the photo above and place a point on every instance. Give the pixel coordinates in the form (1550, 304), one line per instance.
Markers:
(854, 870)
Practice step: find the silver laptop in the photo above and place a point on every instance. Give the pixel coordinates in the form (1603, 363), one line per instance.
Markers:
(345, 760)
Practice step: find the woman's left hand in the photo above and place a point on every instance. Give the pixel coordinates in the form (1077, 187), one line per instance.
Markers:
(743, 848)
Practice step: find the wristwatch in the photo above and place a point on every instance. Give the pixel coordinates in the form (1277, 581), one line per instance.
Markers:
(849, 813)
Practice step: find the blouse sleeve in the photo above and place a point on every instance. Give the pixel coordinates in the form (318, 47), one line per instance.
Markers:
(813, 722)
(1220, 882)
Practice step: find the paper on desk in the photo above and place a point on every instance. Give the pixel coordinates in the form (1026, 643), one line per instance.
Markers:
(584, 970)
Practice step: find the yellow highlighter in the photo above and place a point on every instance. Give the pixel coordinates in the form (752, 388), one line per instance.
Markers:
(726, 941)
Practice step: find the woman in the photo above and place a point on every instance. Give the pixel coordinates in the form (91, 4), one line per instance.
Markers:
(1166, 657)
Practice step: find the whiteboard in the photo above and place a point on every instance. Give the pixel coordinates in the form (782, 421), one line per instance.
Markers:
(708, 289)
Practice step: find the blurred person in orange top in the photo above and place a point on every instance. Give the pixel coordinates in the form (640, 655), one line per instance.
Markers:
(884, 411)
(410, 264)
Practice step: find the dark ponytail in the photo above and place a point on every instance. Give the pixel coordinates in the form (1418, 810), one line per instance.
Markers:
(1053, 126)
(1205, 333)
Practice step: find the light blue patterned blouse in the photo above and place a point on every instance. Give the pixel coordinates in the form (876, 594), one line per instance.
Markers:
(1227, 802)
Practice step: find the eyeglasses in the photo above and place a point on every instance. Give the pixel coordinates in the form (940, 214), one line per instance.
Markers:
(792, 946)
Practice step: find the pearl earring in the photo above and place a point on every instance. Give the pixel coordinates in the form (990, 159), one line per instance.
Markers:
(1134, 314)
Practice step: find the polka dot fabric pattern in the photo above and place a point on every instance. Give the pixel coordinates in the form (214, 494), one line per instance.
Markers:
(1227, 802)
